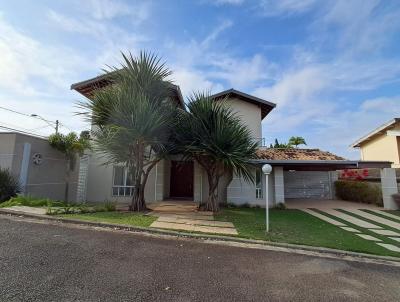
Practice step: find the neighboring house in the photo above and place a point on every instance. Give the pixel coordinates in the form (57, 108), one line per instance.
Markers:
(39, 168)
(382, 144)
(297, 173)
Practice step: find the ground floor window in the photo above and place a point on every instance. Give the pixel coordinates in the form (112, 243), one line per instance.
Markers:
(259, 186)
(122, 182)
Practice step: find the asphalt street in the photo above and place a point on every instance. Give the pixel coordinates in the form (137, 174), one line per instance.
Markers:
(46, 262)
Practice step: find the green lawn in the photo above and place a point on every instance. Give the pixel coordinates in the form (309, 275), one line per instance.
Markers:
(115, 217)
(294, 226)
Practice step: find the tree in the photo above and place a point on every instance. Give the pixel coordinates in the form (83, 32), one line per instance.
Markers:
(133, 119)
(213, 135)
(296, 141)
(280, 145)
(9, 185)
(71, 146)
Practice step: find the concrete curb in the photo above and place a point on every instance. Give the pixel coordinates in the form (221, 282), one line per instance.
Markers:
(137, 229)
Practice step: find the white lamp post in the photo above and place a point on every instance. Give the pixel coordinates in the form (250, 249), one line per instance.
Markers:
(267, 169)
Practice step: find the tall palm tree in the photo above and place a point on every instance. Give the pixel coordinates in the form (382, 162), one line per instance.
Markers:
(133, 119)
(296, 141)
(213, 135)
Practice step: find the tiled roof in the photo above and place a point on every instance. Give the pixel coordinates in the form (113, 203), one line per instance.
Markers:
(296, 154)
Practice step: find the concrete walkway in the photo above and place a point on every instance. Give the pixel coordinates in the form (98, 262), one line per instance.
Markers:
(27, 210)
(327, 204)
(183, 215)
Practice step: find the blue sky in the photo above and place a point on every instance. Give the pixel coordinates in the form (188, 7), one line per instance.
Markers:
(332, 67)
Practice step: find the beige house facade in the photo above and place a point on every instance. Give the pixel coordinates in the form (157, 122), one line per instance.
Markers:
(300, 173)
(381, 144)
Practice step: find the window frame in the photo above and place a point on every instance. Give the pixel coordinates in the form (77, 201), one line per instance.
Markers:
(127, 191)
(259, 187)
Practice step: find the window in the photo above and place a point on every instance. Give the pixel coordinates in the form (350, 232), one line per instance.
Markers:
(122, 183)
(259, 187)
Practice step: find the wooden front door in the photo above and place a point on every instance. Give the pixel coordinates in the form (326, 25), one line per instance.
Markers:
(182, 175)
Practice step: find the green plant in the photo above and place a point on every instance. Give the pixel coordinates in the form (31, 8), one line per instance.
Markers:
(213, 134)
(280, 206)
(296, 141)
(396, 198)
(30, 201)
(134, 118)
(9, 186)
(71, 146)
(359, 191)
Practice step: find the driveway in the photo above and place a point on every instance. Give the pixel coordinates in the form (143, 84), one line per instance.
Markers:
(44, 262)
(327, 204)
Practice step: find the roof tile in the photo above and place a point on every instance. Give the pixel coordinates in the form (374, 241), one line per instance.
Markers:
(296, 154)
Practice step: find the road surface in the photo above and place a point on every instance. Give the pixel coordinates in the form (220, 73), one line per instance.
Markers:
(47, 262)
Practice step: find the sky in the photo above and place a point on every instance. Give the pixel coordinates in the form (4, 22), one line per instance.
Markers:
(332, 67)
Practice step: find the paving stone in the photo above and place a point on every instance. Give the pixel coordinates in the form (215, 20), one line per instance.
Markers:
(375, 218)
(28, 210)
(395, 238)
(215, 230)
(323, 217)
(368, 237)
(172, 226)
(196, 222)
(385, 232)
(354, 220)
(185, 216)
(384, 213)
(390, 247)
(349, 229)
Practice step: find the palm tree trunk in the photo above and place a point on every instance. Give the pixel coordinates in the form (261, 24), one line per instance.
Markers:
(212, 200)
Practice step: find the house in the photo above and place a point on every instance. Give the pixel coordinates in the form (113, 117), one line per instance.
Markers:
(382, 143)
(39, 168)
(297, 173)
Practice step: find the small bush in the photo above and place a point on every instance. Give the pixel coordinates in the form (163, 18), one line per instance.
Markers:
(396, 198)
(280, 206)
(359, 191)
(9, 185)
(31, 202)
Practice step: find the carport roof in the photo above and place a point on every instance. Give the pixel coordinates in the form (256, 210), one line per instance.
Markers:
(279, 154)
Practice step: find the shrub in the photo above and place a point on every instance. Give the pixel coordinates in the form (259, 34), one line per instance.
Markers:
(396, 198)
(31, 202)
(359, 191)
(9, 185)
(280, 206)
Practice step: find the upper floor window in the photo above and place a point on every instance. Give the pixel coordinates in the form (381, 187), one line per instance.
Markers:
(122, 183)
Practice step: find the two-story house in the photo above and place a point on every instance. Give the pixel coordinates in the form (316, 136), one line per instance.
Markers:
(382, 143)
(297, 173)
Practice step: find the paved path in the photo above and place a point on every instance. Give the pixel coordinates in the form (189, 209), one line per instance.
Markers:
(28, 210)
(193, 222)
(42, 262)
(385, 213)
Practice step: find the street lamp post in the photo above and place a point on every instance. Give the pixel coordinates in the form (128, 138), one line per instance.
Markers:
(267, 169)
(50, 123)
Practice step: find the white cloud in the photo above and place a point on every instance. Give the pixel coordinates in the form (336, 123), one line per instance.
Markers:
(285, 7)
(229, 2)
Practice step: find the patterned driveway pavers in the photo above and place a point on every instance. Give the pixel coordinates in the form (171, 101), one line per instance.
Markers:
(353, 220)
(323, 217)
(375, 218)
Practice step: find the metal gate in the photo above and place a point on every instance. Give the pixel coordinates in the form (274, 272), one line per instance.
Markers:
(307, 184)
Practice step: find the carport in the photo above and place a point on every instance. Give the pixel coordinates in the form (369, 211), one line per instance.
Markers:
(306, 174)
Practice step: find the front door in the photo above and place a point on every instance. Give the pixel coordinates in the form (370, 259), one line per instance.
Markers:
(182, 174)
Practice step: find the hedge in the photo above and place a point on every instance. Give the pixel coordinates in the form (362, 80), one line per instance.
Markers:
(359, 191)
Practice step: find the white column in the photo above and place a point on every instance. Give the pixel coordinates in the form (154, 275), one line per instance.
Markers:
(389, 187)
(23, 174)
(279, 185)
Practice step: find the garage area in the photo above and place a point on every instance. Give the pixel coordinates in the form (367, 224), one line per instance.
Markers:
(308, 184)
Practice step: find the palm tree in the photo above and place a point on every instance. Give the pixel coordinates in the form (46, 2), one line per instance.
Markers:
(213, 135)
(133, 119)
(296, 141)
(71, 146)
